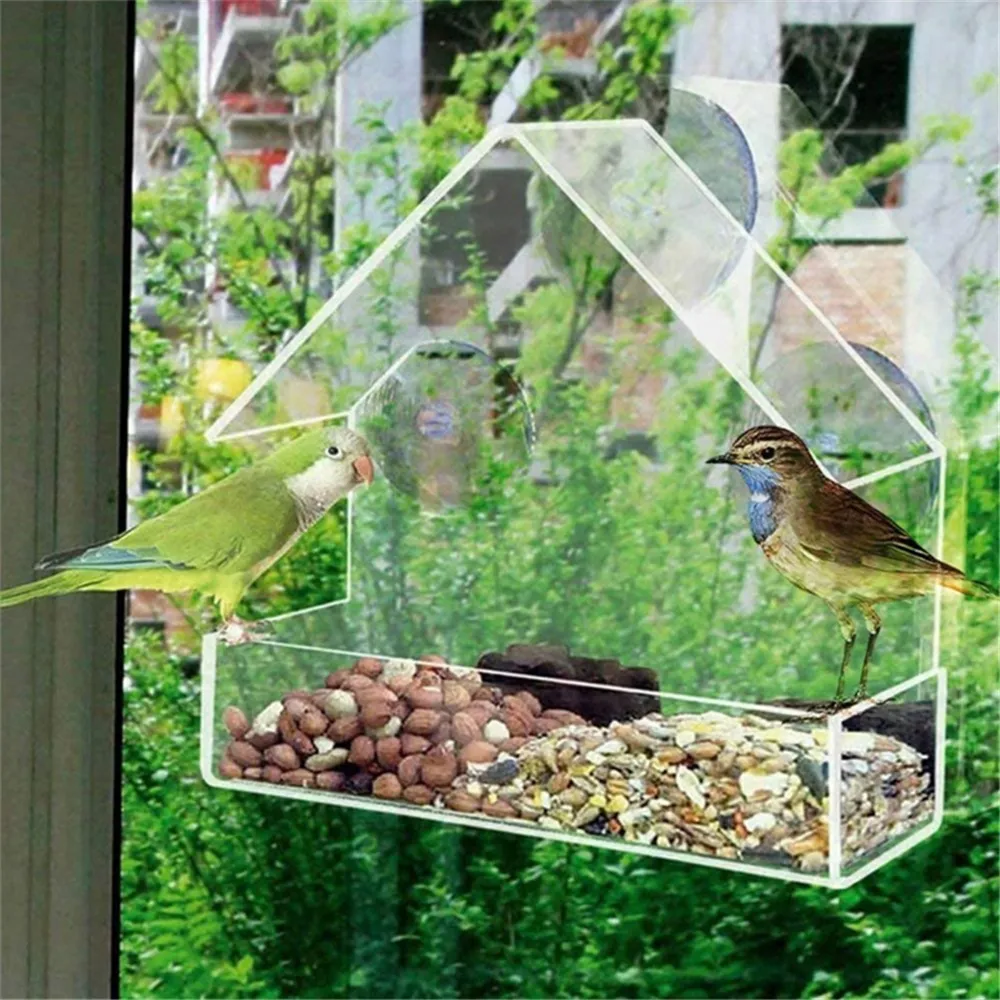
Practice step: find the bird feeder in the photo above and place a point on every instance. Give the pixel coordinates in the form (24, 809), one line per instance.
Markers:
(547, 629)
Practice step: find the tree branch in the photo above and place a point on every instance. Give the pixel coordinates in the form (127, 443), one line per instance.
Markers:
(148, 237)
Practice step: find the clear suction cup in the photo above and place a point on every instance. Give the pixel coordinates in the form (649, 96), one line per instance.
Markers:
(710, 142)
(444, 420)
(839, 412)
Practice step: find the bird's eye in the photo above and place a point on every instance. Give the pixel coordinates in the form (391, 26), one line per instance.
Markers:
(767, 454)
(333, 451)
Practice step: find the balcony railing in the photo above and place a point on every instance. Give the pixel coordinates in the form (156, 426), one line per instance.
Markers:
(238, 29)
(219, 10)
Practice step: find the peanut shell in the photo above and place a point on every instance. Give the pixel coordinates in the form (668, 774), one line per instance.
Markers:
(439, 768)
(345, 729)
(387, 786)
(388, 752)
(409, 769)
(362, 751)
(419, 795)
(368, 666)
(326, 761)
(228, 768)
(299, 778)
(244, 754)
(340, 705)
(411, 744)
(236, 722)
(495, 731)
(283, 756)
(422, 721)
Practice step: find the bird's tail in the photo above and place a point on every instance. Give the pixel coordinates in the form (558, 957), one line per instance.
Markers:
(60, 583)
(971, 588)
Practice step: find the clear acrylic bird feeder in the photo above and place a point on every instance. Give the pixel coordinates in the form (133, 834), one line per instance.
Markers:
(542, 355)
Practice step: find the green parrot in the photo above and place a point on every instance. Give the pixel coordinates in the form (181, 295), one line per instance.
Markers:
(222, 539)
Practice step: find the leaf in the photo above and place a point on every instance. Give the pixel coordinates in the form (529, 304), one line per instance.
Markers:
(298, 77)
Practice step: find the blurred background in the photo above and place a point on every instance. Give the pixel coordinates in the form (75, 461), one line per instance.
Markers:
(275, 145)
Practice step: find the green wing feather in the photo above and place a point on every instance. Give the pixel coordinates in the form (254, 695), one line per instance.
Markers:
(218, 541)
(232, 527)
(229, 528)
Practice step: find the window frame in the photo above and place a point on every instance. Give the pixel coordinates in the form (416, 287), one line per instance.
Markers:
(65, 116)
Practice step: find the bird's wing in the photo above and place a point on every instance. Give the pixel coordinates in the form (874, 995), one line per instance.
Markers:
(232, 526)
(842, 528)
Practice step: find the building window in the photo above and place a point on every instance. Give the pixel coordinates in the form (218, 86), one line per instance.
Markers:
(854, 83)
(450, 30)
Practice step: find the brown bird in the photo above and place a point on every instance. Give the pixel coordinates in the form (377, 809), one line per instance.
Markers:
(829, 542)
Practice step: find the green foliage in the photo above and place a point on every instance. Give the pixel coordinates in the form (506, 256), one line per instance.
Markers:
(334, 35)
(153, 357)
(973, 391)
(455, 127)
(821, 197)
(328, 902)
(482, 75)
(647, 29)
(239, 895)
(181, 935)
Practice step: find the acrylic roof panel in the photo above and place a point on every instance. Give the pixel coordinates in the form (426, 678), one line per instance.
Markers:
(640, 204)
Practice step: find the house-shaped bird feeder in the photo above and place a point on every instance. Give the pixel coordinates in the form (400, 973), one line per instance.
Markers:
(556, 621)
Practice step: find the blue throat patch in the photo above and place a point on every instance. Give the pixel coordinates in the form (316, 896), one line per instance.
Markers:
(762, 483)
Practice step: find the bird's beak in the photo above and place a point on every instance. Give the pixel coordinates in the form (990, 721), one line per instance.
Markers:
(726, 459)
(364, 470)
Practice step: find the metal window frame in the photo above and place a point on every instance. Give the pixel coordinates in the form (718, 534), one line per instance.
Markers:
(65, 119)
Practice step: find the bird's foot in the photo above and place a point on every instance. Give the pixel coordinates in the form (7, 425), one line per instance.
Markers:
(235, 632)
(826, 709)
(840, 702)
